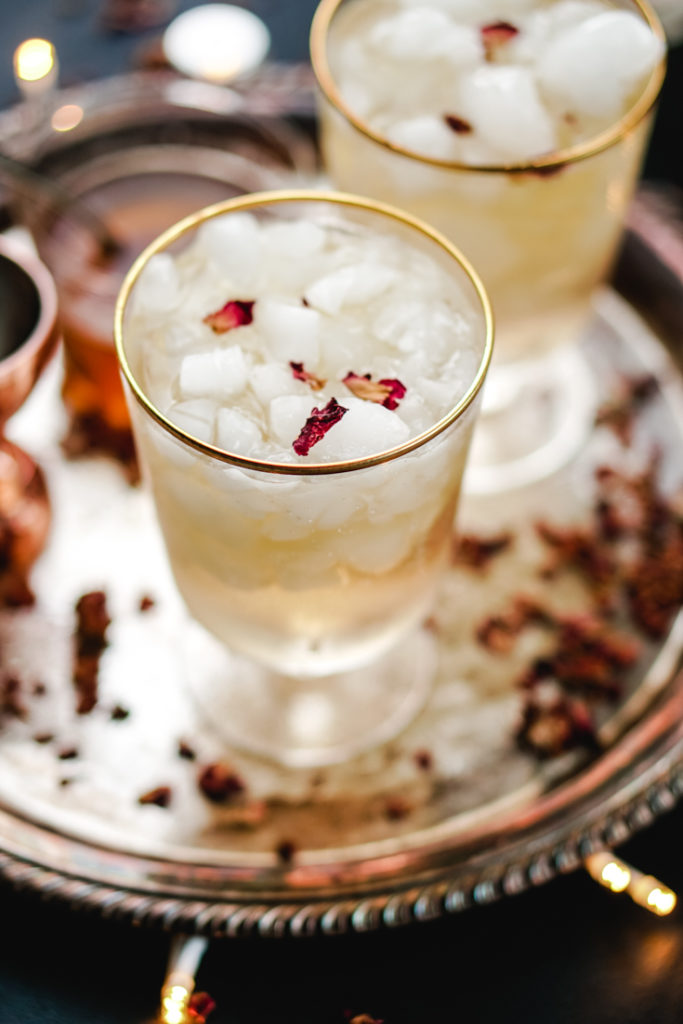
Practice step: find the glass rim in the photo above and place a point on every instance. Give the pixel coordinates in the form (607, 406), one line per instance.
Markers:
(322, 21)
(264, 199)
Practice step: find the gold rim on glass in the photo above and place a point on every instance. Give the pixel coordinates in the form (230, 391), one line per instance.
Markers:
(272, 199)
(320, 28)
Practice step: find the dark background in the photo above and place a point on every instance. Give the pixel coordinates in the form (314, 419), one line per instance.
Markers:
(564, 953)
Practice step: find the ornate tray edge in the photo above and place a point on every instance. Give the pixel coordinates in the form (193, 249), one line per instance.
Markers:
(361, 913)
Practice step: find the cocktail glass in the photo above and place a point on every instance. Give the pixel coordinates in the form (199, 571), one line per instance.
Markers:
(543, 235)
(313, 579)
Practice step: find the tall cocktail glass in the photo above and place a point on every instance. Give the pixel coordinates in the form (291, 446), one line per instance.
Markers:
(314, 577)
(542, 233)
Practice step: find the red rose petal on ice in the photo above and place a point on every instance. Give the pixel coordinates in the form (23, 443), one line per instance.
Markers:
(309, 378)
(317, 425)
(387, 392)
(457, 124)
(397, 391)
(496, 35)
(235, 313)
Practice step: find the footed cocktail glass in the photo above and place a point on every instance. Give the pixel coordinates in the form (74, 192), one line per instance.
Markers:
(541, 231)
(314, 573)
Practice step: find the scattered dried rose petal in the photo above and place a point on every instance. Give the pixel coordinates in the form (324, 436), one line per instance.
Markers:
(160, 796)
(589, 657)
(285, 851)
(387, 392)
(581, 549)
(397, 807)
(654, 587)
(458, 124)
(64, 782)
(200, 1006)
(424, 759)
(549, 729)
(67, 753)
(476, 552)
(186, 751)
(11, 698)
(235, 313)
(43, 737)
(118, 713)
(619, 412)
(498, 633)
(314, 382)
(85, 679)
(495, 35)
(146, 603)
(219, 783)
(317, 425)
(92, 619)
(90, 434)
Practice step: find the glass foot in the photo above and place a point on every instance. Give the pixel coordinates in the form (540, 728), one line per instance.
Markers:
(305, 723)
(536, 416)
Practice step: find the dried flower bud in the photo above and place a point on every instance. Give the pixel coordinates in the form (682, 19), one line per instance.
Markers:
(235, 313)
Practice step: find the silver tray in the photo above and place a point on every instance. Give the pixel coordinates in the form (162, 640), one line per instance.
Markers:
(488, 820)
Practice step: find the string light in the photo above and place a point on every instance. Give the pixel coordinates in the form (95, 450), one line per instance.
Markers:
(174, 1002)
(67, 117)
(608, 871)
(618, 876)
(34, 59)
(184, 960)
(35, 67)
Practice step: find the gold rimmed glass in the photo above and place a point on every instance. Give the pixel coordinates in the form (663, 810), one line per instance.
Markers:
(310, 582)
(543, 235)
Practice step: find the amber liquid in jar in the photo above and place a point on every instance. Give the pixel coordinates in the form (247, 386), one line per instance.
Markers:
(135, 209)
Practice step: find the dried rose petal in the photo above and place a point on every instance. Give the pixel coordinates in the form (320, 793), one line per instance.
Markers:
(457, 124)
(424, 759)
(43, 737)
(11, 698)
(160, 796)
(146, 603)
(67, 753)
(185, 751)
(476, 552)
(397, 808)
(498, 633)
(495, 35)
(397, 391)
(317, 425)
(200, 1006)
(387, 392)
(219, 783)
(235, 313)
(285, 851)
(619, 412)
(550, 729)
(92, 619)
(118, 713)
(316, 383)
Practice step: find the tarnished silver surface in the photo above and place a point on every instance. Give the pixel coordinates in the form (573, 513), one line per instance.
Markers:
(487, 821)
